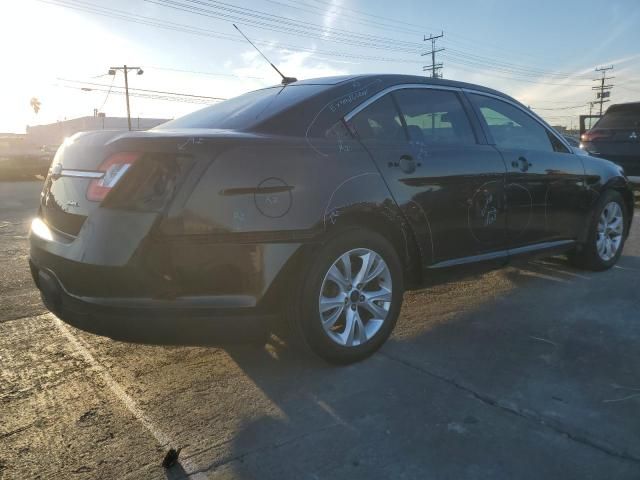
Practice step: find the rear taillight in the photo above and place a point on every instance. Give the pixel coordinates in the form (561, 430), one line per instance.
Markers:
(593, 135)
(114, 168)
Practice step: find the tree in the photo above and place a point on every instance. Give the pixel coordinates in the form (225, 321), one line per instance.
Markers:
(35, 104)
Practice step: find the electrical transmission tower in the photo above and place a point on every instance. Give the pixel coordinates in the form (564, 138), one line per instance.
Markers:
(603, 90)
(434, 67)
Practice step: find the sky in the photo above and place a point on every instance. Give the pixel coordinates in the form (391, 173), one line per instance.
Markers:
(541, 52)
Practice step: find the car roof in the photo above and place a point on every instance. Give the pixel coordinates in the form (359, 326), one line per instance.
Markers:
(390, 79)
(623, 106)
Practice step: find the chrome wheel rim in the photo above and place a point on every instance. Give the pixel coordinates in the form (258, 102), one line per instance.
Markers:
(610, 230)
(355, 297)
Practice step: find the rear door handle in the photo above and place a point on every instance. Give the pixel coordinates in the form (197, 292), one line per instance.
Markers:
(406, 163)
(522, 164)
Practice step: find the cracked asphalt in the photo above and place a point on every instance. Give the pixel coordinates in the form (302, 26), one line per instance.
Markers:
(528, 372)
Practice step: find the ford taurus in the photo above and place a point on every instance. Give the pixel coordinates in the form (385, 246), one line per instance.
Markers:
(321, 202)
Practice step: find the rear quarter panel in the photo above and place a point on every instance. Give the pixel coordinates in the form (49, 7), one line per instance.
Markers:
(275, 184)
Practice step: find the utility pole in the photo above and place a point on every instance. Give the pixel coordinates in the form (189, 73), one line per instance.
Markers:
(125, 69)
(434, 67)
(602, 96)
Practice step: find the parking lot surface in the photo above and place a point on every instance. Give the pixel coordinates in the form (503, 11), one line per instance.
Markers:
(528, 372)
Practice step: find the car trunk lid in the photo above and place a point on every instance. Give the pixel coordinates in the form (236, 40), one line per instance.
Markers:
(143, 169)
(64, 203)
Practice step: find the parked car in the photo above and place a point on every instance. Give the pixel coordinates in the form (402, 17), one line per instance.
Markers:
(616, 137)
(321, 201)
(23, 167)
(572, 141)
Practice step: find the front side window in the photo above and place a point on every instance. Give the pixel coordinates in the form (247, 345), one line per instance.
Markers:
(510, 127)
(435, 117)
(379, 121)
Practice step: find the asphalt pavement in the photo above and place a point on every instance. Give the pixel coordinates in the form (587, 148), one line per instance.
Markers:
(528, 372)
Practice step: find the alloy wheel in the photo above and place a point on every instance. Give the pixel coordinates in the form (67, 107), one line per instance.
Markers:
(610, 230)
(355, 297)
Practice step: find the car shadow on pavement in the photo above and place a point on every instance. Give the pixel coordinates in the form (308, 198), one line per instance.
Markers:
(499, 369)
(176, 472)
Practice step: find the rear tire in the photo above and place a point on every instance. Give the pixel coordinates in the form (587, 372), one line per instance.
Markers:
(339, 299)
(606, 234)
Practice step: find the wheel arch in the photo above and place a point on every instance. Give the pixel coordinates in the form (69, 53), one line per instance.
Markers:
(393, 228)
(619, 185)
(365, 201)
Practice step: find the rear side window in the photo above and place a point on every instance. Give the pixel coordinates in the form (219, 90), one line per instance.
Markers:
(510, 127)
(435, 117)
(379, 121)
(625, 117)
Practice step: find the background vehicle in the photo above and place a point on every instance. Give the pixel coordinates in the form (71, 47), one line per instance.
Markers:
(572, 141)
(322, 200)
(616, 137)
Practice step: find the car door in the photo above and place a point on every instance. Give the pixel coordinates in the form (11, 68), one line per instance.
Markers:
(448, 183)
(545, 181)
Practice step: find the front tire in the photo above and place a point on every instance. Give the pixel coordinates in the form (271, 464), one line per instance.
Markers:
(349, 298)
(606, 234)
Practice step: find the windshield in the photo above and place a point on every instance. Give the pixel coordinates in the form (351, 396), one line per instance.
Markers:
(244, 111)
(628, 117)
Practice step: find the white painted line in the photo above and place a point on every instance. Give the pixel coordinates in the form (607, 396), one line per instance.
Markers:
(161, 437)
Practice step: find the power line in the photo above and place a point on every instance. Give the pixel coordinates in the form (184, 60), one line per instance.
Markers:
(197, 72)
(421, 28)
(225, 11)
(113, 80)
(582, 105)
(361, 12)
(144, 89)
(507, 66)
(356, 18)
(515, 72)
(527, 79)
(157, 23)
(199, 101)
(276, 23)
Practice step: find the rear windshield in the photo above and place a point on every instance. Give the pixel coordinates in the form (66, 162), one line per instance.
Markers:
(627, 117)
(246, 110)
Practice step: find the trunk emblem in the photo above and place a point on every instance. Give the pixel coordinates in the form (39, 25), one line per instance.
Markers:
(72, 203)
(633, 136)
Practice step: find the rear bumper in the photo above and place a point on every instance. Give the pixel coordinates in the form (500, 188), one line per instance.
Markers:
(181, 291)
(152, 321)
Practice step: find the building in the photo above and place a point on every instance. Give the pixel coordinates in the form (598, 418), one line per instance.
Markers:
(26, 155)
(53, 134)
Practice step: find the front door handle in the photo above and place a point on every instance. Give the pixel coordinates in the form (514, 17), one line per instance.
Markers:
(407, 164)
(522, 164)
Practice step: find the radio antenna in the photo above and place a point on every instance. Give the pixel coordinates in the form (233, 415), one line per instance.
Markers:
(285, 80)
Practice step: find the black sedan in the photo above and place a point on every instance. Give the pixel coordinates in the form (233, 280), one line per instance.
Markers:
(320, 202)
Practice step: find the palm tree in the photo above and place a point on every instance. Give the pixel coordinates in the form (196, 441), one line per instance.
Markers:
(35, 104)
